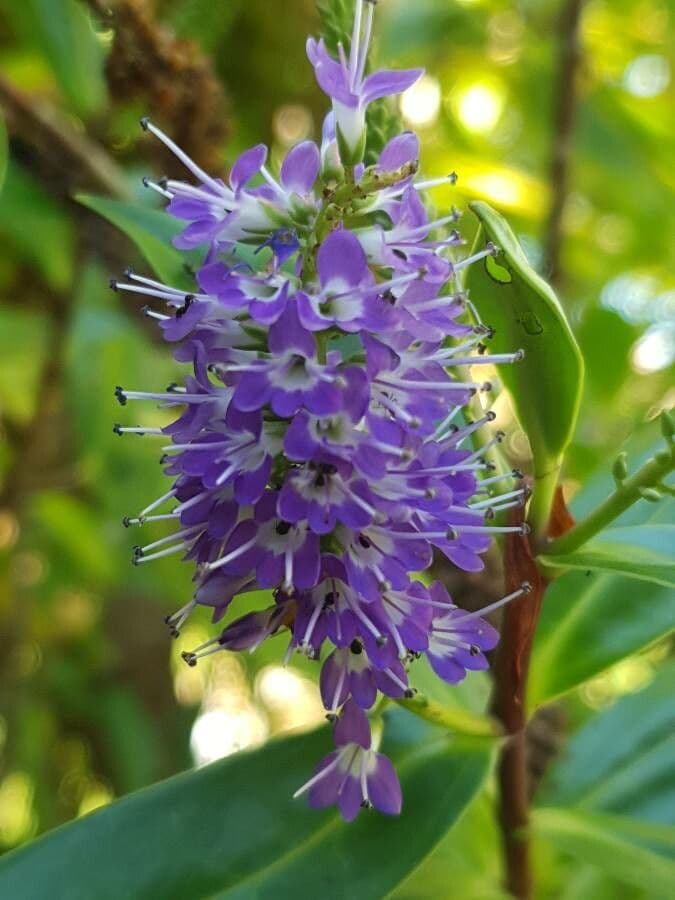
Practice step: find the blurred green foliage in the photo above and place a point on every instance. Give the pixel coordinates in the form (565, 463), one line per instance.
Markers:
(93, 704)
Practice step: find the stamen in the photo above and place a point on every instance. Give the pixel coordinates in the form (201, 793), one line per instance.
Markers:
(137, 429)
(525, 588)
(320, 775)
(148, 183)
(499, 498)
(189, 163)
(234, 554)
(354, 51)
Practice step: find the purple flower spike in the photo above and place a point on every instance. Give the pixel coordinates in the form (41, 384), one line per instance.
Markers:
(329, 437)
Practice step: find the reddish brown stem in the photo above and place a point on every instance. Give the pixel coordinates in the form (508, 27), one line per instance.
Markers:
(509, 700)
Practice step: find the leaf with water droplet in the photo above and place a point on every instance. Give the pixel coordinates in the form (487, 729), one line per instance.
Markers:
(525, 313)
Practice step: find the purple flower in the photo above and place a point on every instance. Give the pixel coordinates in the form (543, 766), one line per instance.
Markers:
(328, 441)
(354, 776)
(351, 92)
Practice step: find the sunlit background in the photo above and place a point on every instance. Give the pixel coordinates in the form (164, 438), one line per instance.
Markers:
(94, 699)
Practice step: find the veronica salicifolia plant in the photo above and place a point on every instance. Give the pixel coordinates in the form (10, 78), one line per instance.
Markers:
(323, 447)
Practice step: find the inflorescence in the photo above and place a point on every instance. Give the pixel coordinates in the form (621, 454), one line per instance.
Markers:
(324, 446)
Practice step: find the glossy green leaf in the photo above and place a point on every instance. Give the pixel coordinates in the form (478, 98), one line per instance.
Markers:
(613, 843)
(525, 313)
(61, 31)
(590, 621)
(151, 230)
(642, 551)
(232, 830)
(621, 760)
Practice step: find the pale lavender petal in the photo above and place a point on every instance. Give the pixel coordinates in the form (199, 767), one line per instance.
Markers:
(300, 169)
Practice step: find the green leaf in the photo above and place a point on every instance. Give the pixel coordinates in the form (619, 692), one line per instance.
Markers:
(643, 551)
(588, 623)
(62, 32)
(612, 843)
(151, 230)
(610, 767)
(4, 151)
(37, 227)
(546, 386)
(231, 829)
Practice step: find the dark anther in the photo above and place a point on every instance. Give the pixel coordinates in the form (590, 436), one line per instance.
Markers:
(171, 388)
(356, 646)
(499, 436)
(137, 550)
(121, 397)
(186, 305)
(388, 296)
(366, 804)
(129, 272)
(409, 693)
(283, 528)
(189, 658)
(113, 284)
(517, 473)
(525, 528)
(453, 176)
(526, 587)
(126, 521)
(399, 253)
(331, 717)
(481, 348)
(145, 181)
(145, 121)
(491, 415)
(117, 429)
(163, 182)
(365, 543)
(474, 650)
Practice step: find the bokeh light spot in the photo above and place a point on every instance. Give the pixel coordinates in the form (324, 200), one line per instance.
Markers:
(421, 103)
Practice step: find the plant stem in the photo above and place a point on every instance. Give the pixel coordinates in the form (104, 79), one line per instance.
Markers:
(543, 493)
(625, 495)
(458, 720)
(563, 130)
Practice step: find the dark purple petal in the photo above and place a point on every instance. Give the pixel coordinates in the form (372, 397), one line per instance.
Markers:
(352, 727)
(249, 164)
(384, 789)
